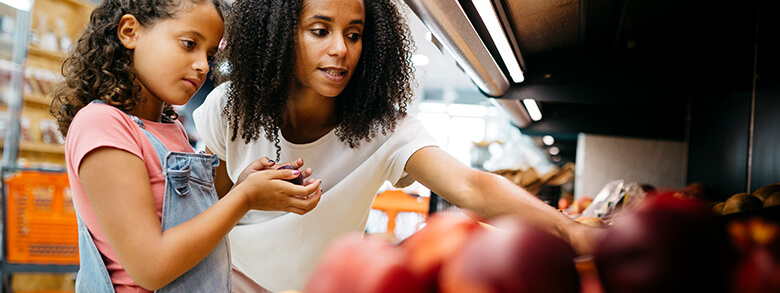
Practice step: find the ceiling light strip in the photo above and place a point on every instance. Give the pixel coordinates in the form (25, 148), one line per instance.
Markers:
(533, 109)
(449, 24)
(509, 33)
(489, 17)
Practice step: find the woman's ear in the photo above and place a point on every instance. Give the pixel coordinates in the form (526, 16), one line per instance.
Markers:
(128, 30)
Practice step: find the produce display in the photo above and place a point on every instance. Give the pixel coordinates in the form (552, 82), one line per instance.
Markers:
(671, 241)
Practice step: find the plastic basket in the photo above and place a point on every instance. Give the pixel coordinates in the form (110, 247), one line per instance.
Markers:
(41, 222)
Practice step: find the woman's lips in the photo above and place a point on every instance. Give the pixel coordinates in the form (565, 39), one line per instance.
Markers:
(334, 75)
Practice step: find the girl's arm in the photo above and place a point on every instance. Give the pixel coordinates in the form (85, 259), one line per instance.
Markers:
(490, 195)
(125, 209)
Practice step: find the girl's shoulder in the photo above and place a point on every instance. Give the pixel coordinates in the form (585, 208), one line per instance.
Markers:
(99, 111)
(95, 116)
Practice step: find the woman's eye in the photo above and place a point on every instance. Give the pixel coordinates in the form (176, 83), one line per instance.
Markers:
(319, 32)
(354, 36)
(188, 44)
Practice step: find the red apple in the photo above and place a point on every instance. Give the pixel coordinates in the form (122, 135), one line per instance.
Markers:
(758, 243)
(564, 203)
(441, 239)
(353, 263)
(580, 204)
(514, 258)
(666, 244)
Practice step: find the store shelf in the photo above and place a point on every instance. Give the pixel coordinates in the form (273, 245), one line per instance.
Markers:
(45, 53)
(41, 147)
(38, 99)
(31, 146)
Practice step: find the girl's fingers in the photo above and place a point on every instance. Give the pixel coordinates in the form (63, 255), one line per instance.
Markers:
(286, 174)
(305, 204)
(308, 181)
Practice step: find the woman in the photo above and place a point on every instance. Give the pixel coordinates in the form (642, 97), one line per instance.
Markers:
(329, 81)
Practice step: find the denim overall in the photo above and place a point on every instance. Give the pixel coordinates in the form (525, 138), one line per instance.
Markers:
(189, 180)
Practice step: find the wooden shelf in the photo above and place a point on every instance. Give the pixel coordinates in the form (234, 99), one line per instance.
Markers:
(45, 53)
(38, 99)
(41, 147)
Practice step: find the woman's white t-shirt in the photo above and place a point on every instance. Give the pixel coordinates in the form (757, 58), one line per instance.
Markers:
(279, 250)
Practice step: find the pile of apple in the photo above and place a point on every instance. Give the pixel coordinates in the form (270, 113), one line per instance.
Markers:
(453, 253)
(665, 244)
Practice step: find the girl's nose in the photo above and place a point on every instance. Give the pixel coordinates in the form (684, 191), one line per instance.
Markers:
(201, 65)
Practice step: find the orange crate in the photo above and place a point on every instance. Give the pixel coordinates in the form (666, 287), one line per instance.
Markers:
(41, 222)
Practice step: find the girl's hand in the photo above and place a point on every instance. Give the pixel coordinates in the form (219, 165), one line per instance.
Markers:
(258, 165)
(265, 163)
(266, 190)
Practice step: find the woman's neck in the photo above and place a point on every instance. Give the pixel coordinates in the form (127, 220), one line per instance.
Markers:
(309, 117)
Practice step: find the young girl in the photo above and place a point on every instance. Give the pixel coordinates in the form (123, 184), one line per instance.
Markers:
(148, 214)
(330, 81)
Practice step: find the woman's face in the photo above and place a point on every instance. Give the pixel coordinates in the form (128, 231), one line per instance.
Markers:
(329, 43)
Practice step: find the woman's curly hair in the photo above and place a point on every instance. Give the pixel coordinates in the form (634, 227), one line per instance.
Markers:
(99, 66)
(260, 51)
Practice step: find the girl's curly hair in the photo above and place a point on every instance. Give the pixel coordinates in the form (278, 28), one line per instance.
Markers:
(260, 51)
(99, 67)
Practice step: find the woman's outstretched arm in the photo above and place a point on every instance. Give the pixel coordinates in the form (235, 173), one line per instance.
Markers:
(490, 195)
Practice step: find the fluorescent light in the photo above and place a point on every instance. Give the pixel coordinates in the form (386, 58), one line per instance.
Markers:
(548, 140)
(489, 17)
(533, 109)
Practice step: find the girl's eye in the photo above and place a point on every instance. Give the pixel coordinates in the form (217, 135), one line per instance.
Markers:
(319, 32)
(188, 44)
(354, 36)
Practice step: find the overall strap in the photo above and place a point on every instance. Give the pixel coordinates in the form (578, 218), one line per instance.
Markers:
(159, 147)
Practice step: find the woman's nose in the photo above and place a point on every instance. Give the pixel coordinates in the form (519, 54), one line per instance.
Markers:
(338, 46)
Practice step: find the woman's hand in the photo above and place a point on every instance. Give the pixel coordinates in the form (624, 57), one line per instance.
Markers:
(266, 190)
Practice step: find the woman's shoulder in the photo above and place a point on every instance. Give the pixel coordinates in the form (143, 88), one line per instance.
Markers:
(407, 122)
(215, 100)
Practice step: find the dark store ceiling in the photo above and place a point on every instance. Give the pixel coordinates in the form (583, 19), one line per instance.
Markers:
(611, 67)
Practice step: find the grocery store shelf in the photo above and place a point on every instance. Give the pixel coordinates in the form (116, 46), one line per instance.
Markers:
(49, 54)
(40, 147)
(38, 99)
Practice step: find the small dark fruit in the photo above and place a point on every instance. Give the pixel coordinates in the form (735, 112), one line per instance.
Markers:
(297, 180)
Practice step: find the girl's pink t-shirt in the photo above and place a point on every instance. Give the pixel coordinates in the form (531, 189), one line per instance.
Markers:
(99, 125)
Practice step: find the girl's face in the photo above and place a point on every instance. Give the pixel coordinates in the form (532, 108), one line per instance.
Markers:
(329, 43)
(171, 57)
